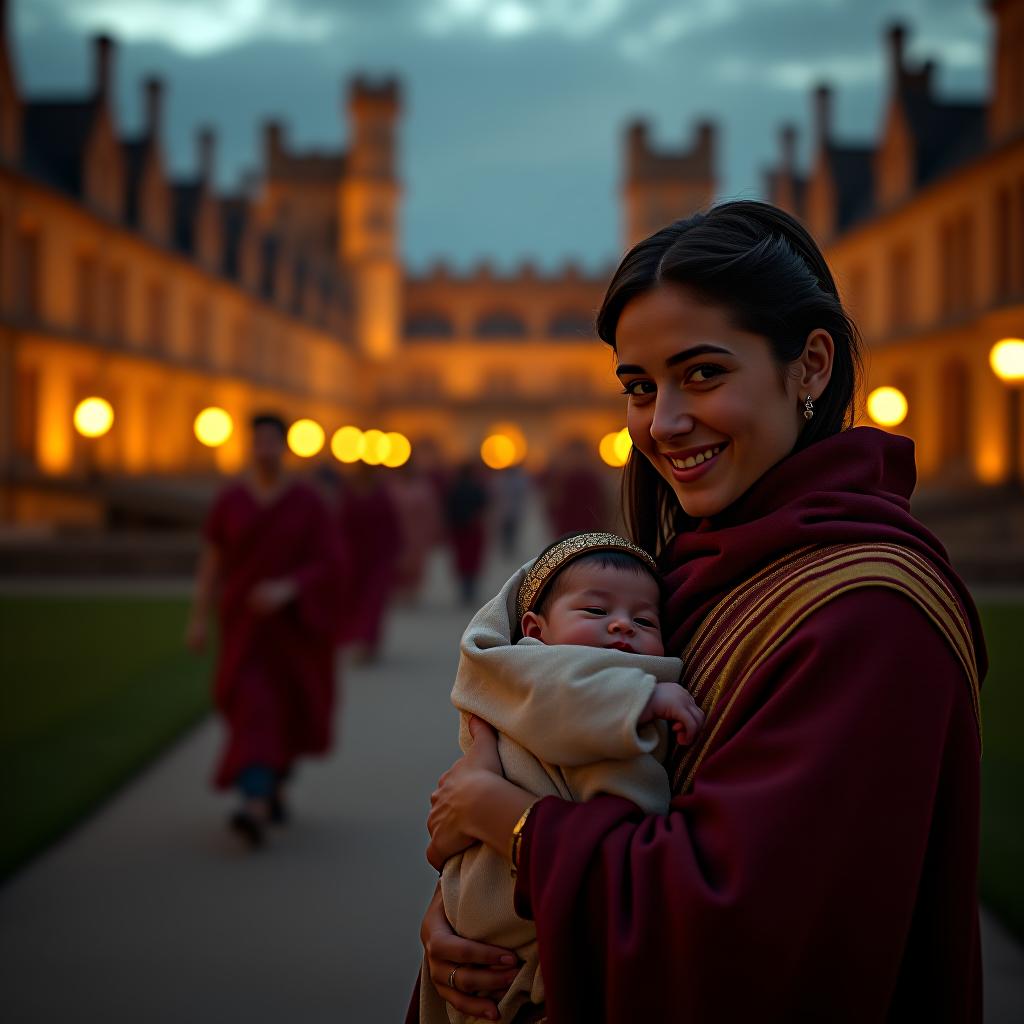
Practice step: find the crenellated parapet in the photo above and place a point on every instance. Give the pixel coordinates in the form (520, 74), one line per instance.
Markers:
(662, 185)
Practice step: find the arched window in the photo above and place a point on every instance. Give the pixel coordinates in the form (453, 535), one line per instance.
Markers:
(500, 324)
(572, 323)
(428, 324)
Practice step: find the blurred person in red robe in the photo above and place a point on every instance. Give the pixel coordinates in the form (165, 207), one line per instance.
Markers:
(819, 858)
(420, 525)
(271, 565)
(576, 497)
(370, 528)
(511, 489)
(465, 509)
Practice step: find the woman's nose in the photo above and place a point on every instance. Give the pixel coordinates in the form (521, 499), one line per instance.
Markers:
(671, 419)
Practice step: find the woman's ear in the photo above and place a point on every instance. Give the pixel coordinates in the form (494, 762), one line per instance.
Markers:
(532, 626)
(815, 365)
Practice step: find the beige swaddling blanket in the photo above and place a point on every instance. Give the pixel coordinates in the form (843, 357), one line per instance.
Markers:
(567, 719)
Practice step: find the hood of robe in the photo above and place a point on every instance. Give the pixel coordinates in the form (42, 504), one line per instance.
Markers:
(853, 487)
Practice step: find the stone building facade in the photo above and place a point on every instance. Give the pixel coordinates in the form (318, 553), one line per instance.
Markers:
(166, 296)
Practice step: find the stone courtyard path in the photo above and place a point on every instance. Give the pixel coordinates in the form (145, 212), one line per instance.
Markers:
(150, 913)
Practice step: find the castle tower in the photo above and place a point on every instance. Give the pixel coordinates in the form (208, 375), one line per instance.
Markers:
(369, 198)
(1006, 111)
(660, 187)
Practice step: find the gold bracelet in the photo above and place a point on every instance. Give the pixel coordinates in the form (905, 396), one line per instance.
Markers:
(517, 837)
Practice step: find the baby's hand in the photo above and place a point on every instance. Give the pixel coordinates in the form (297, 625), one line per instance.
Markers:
(671, 702)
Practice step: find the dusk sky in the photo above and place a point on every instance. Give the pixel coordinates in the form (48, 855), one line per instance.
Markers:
(510, 142)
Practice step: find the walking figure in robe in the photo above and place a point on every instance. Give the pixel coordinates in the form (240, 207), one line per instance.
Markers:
(270, 566)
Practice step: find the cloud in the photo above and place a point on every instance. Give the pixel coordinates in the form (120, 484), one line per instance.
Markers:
(510, 137)
(200, 27)
(572, 19)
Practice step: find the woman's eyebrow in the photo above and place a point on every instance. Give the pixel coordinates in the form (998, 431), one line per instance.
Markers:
(697, 350)
(679, 357)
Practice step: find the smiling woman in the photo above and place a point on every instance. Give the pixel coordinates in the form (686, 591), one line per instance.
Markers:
(723, 328)
(821, 843)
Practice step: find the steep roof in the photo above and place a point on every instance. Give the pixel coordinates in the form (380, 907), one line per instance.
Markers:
(135, 152)
(186, 197)
(56, 132)
(234, 216)
(853, 174)
(945, 134)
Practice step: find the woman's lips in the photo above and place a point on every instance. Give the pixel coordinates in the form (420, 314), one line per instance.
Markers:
(703, 460)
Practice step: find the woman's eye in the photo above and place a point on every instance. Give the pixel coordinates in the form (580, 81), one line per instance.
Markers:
(638, 388)
(703, 373)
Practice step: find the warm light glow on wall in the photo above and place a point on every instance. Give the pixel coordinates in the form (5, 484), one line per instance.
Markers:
(887, 406)
(93, 417)
(1007, 360)
(615, 447)
(375, 447)
(348, 444)
(515, 435)
(989, 464)
(399, 450)
(498, 451)
(306, 438)
(213, 426)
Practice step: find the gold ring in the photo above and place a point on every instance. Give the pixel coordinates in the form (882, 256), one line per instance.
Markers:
(451, 979)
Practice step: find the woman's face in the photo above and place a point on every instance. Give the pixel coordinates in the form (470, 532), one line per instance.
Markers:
(708, 405)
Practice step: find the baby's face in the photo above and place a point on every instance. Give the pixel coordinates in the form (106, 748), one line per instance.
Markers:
(602, 607)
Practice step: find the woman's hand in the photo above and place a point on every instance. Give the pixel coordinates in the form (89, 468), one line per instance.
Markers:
(474, 801)
(270, 595)
(458, 792)
(482, 973)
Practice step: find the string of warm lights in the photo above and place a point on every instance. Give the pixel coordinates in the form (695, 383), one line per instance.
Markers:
(505, 445)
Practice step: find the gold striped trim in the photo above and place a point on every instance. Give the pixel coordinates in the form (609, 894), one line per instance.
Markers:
(755, 618)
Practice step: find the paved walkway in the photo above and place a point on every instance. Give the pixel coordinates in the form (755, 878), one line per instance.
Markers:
(150, 912)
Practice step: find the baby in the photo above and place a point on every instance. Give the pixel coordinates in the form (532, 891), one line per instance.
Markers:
(578, 701)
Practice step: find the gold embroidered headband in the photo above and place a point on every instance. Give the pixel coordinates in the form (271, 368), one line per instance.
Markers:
(561, 553)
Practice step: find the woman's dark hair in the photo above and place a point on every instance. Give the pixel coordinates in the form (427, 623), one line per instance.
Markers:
(764, 269)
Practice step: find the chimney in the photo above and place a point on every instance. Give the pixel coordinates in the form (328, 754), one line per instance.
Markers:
(787, 149)
(822, 116)
(926, 74)
(273, 142)
(205, 146)
(897, 34)
(153, 88)
(104, 56)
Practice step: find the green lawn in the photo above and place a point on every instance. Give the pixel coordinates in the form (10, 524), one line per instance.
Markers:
(1002, 766)
(90, 690)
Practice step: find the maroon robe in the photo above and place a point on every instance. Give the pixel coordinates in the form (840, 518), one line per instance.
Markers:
(465, 507)
(823, 864)
(274, 683)
(577, 500)
(371, 531)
